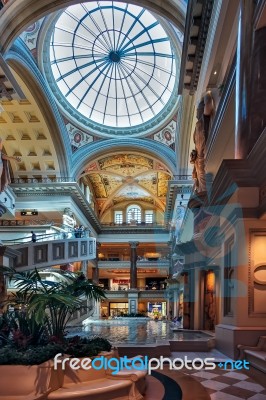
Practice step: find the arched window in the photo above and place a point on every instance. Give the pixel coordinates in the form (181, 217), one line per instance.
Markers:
(133, 213)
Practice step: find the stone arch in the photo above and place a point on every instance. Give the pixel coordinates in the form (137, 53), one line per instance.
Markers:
(100, 148)
(17, 15)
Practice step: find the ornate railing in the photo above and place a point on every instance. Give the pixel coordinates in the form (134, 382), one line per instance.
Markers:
(63, 179)
(46, 237)
(26, 222)
(181, 178)
(130, 225)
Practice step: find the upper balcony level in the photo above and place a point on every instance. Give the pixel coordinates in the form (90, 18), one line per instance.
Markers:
(142, 294)
(65, 190)
(49, 253)
(140, 264)
(134, 227)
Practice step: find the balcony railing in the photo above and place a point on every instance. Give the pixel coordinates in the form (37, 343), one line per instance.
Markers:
(133, 225)
(43, 180)
(161, 263)
(142, 294)
(54, 252)
(26, 222)
(46, 237)
(181, 178)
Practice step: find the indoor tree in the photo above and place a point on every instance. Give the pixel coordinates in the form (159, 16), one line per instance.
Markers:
(51, 303)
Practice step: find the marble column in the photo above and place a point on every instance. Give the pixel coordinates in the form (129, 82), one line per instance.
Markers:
(243, 79)
(133, 264)
(95, 270)
(84, 267)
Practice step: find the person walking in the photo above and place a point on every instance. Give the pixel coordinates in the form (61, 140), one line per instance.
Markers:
(33, 237)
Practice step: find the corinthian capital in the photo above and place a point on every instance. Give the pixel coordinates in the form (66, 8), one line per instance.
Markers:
(133, 245)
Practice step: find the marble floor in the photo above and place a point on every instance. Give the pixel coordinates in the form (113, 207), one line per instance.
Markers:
(229, 385)
(217, 384)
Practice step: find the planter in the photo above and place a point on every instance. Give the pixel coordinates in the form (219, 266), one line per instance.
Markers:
(31, 382)
(91, 384)
(42, 382)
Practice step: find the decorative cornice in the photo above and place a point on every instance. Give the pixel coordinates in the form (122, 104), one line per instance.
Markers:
(60, 189)
(197, 20)
(222, 108)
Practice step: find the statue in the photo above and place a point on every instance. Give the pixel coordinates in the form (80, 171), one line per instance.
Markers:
(4, 169)
(205, 112)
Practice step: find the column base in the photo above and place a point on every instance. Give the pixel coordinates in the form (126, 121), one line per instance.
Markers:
(228, 337)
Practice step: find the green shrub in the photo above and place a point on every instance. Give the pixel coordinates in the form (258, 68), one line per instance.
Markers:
(33, 355)
(74, 347)
(86, 347)
(134, 315)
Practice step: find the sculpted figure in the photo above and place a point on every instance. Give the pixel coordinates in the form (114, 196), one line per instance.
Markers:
(205, 112)
(4, 169)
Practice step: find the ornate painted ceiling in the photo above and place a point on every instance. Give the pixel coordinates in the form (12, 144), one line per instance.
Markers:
(125, 177)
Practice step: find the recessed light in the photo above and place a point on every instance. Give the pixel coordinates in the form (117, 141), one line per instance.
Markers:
(215, 73)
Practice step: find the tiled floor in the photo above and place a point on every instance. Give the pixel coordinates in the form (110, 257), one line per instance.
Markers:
(229, 385)
(191, 355)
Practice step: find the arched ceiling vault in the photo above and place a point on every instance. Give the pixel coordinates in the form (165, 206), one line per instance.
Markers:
(17, 15)
(127, 177)
(101, 148)
(30, 130)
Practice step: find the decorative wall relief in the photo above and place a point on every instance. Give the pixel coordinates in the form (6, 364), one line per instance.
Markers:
(166, 135)
(257, 274)
(30, 36)
(77, 137)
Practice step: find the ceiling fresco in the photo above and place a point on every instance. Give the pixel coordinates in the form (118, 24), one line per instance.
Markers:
(125, 177)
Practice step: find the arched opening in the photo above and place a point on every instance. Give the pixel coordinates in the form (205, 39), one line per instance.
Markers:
(134, 214)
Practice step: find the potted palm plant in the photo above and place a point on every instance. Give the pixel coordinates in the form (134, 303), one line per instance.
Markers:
(35, 331)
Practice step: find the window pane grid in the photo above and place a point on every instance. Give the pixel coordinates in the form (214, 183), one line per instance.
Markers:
(100, 43)
(134, 214)
(149, 216)
(118, 217)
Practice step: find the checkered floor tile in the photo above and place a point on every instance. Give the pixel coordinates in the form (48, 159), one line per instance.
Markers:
(229, 385)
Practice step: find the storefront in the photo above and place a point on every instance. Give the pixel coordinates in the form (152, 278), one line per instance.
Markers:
(120, 284)
(156, 309)
(118, 309)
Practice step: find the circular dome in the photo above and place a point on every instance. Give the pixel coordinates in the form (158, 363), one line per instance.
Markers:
(113, 63)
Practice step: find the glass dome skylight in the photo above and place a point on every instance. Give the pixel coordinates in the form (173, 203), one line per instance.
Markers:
(113, 63)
